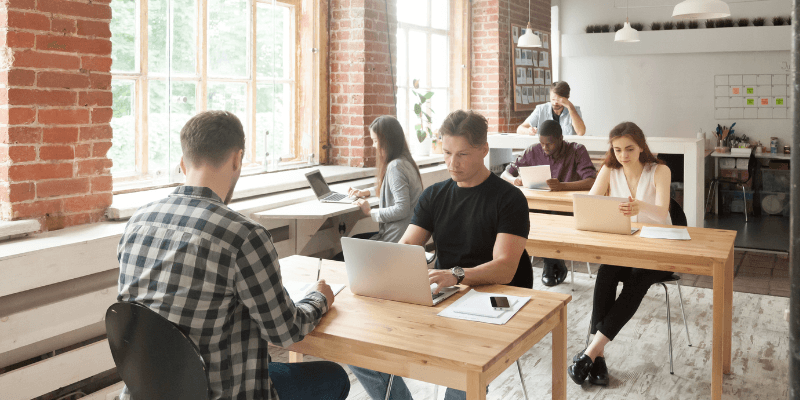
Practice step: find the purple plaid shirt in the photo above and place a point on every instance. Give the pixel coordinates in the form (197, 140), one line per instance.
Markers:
(573, 164)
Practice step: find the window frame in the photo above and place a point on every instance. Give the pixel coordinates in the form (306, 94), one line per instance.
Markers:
(143, 177)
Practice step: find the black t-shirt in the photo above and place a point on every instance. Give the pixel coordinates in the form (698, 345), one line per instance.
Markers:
(465, 223)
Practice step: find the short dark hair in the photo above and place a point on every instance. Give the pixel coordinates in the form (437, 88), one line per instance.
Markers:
(467, 124)
(560, 88)
(210, 136)
(550, 128)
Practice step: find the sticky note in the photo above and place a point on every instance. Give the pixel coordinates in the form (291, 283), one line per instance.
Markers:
(764, 102)
(736, 90)
(750, 90)
(751, 102)
(779, 101)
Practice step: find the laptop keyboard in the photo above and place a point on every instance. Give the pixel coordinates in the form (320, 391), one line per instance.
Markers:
(335, 197)
(437, 295)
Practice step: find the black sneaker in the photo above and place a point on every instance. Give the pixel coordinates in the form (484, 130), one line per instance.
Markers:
(598, 375)
(580, 370)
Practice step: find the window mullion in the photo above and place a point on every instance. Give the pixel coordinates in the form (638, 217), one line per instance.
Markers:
(203, 54)
(142, 151)
(251, 84)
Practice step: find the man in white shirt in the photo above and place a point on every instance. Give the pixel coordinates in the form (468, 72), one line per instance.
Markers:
(559, 109)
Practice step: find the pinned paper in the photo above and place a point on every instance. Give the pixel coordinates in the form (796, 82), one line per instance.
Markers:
(765, 101)
(750, 90)
(736, 90)
(751, 102)
(779, 101)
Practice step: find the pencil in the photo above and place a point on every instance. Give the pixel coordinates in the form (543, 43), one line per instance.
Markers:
(319, 268)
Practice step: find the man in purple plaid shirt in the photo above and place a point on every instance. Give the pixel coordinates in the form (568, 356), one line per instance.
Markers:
(215, 274)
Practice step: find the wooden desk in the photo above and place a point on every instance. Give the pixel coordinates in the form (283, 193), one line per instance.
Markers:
(307, 223)
(550, 201)
(412, 341)
(710, 252)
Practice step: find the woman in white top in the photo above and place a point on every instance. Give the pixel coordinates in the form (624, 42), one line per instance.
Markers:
(629, 171)
(398, 180)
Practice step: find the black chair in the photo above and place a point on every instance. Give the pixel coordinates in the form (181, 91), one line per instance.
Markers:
(752, 166)
(678, 218)
(154, 358)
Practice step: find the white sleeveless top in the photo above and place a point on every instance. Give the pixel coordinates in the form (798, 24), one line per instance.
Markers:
(646, 191)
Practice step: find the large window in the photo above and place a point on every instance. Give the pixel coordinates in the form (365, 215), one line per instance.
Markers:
(423, 55)
(174, 58)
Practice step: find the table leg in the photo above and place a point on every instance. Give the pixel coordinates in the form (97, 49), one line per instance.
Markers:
(718, 340)
(727, 320)
(295, 357)
(560, 356)
(476, 386)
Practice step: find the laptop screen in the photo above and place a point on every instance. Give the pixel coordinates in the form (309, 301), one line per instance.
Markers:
(317, 183)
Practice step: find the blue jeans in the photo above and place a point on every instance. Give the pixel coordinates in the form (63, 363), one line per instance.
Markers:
(317, 380)
(375, 384)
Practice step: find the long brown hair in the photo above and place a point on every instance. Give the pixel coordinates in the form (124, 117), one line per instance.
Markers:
(632, 131)
(391, 145)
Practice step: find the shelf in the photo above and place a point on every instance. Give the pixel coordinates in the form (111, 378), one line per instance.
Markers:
(716, 40)
(769, 156)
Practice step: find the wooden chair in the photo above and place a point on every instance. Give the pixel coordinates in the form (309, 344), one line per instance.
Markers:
(154, 358)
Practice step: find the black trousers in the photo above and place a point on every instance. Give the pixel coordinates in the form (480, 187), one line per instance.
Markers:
(610, 313)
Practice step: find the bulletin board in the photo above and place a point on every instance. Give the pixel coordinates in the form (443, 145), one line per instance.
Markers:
(532, 71)
(764, 96)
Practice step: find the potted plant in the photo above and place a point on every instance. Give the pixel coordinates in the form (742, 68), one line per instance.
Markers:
(617, 27)
(680, 25)
(423, 129)
(710, 23)
(655, 26)
(778, 21)
(758, 21)
(693, 24)
(744, 22)
(668, 25)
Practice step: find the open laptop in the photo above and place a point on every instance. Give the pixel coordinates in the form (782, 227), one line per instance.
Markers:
(390, 271)
(323, 192)
(601, 214)
(535, 177)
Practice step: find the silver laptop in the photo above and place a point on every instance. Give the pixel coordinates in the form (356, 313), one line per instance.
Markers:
(323, 192)
(390, 271)
(600, 214)
(535, 177)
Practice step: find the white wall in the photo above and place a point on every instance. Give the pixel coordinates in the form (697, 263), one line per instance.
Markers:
(665, 94)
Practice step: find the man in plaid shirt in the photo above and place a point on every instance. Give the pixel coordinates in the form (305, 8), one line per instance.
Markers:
(215, 274)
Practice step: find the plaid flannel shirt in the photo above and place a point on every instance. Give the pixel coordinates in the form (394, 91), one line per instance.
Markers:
(215, 274)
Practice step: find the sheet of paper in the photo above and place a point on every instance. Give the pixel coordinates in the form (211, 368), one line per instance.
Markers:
(298, 290)
(450, 312)
(652, 232)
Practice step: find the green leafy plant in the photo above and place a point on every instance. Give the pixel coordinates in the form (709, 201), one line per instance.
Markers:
(423, 129)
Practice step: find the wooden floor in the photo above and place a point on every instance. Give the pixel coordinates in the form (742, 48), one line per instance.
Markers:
(638, 359)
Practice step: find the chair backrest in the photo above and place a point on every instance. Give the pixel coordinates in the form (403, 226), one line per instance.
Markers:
(153, 357)
(676, 214)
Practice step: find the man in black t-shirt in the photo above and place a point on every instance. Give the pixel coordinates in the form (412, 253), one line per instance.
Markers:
(479, 222)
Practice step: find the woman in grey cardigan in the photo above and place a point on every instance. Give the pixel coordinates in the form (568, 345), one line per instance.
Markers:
(398, 180)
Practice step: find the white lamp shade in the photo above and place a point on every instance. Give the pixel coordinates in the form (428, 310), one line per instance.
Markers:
(627, 34)
(529, 40)
(701, 9)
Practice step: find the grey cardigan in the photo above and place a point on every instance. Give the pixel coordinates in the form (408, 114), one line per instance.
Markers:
(400, 192)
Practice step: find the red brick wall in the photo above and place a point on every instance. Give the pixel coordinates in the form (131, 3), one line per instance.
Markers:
(55, 108)
(360, 77)
(491, 87)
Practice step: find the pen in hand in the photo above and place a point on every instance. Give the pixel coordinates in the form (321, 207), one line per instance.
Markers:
(319, 268)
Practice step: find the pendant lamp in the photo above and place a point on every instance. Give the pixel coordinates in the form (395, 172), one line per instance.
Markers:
(627, 34)
(701, 9)
(529, 40)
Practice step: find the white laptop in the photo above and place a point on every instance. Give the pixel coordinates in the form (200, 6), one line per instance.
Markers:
(535, 177)
(600, 214)
(390, 271)
(323, 192)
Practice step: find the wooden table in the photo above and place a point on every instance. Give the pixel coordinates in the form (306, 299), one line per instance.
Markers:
(710, 252)
(412, 341)
(550, 201)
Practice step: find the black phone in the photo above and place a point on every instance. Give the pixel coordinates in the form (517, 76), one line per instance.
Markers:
(499, 302)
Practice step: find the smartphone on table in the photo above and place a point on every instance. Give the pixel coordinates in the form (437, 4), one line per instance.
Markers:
(500, 302)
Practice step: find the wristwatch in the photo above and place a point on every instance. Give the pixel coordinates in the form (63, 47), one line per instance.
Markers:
(458, 272)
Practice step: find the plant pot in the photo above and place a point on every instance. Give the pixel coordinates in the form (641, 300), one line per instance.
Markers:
(422, 148)
(436, 147)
